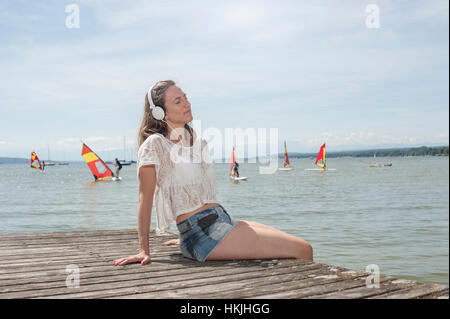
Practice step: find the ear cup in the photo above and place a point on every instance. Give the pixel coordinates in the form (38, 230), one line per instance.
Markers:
(158, 113)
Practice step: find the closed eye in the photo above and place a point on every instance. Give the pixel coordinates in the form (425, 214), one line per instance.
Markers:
(178, 99)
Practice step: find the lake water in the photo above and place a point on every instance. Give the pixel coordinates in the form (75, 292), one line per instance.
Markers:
(395, 217)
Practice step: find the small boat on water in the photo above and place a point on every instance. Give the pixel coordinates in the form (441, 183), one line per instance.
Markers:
(286, 164)
(48, 163)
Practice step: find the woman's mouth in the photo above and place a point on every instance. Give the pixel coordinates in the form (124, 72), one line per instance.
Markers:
(187, 112)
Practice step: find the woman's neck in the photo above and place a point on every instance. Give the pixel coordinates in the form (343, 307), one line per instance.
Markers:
(177, 133)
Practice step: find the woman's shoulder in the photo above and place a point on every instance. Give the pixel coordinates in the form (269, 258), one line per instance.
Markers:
(153, 141)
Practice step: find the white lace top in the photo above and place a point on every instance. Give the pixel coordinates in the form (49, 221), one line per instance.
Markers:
(185, 177)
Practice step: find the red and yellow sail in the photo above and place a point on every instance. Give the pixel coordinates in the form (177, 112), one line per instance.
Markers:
(35, 162)
(286, 158)
(321, 156)
(98, 168)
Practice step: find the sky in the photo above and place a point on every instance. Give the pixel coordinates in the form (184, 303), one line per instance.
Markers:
(342, 72)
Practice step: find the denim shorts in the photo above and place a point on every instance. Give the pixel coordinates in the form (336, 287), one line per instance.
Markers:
(203, 231)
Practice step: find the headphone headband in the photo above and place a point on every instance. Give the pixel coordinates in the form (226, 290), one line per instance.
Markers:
(150, 98)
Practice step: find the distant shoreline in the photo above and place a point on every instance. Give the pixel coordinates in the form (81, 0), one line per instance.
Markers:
(19, 160)
(389, 152)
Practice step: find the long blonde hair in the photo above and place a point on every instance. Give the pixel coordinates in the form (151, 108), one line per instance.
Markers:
(149, 125)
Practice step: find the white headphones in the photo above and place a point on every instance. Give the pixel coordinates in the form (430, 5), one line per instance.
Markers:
(157, 111)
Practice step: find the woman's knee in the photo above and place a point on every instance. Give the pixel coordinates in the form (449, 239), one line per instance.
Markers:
(304, 251)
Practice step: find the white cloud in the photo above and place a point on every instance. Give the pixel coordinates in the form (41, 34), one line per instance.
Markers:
(237, 59)
(367, 139)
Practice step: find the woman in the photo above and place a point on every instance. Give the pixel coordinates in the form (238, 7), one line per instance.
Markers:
(184, 191)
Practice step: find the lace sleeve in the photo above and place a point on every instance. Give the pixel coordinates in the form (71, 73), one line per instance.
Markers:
(149, 152)
(206, 156)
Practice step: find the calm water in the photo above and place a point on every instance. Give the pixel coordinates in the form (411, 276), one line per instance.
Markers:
(395, 217)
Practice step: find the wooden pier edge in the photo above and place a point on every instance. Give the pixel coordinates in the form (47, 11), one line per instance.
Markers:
(79, 264)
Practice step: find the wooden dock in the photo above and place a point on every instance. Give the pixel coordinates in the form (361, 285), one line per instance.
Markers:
(47, 265)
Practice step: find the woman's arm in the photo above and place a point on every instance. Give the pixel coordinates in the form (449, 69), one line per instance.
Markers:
(147, 183)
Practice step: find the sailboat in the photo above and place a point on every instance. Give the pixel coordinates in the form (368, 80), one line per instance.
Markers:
(64, 162)
(48, 162)
(35, 162)
(321, 161)
(234, 177)
(286, 164)
(374, 164)
(124, 162)
(98, 168)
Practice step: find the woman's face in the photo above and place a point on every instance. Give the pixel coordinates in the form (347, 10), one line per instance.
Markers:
(178, 108)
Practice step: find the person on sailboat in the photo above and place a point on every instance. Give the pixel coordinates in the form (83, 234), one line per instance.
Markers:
(176, 187)
(119, 167)
(236, 169)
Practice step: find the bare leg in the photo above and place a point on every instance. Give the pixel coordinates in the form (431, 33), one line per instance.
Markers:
(256, 224)
(251, 240)
(173, 242)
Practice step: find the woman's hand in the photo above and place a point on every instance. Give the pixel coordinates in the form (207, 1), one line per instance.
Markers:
(172, 242)
(142, 257)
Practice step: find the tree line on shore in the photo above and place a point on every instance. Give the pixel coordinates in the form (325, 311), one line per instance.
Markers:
(414, 151)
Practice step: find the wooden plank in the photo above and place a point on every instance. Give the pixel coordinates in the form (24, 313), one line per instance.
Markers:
(142, 279)
(414, 291)
(108, 271)
(242, 288)
(91, 272)
(158, 289)
(67, 242)
(62, 235)
(386, 285)
(296, 290)
(97, 248)
(81, 253)
(56, 262)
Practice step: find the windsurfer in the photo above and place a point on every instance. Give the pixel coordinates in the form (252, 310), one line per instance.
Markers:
(119, 167)
(236, 169)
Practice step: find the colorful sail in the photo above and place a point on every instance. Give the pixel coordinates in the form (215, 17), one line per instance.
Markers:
(286, 158)
(35, 162)
(98, 168)
(233, 160)
(321, 156)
